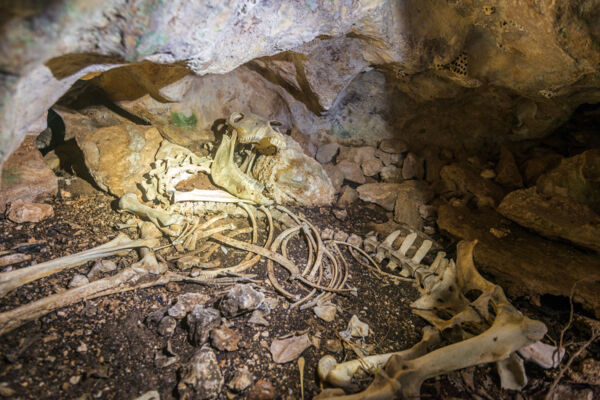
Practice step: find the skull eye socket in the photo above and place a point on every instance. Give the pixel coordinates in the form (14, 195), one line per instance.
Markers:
(275, 124)
(237, 117)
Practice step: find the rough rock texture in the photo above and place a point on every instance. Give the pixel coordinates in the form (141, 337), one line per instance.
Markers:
(201, 377)
(21, 211)
(524, 67)
(351, 171)
(383, 194)
(465, 180)
(553, 217)
(576, 177)
(291, 176)
(411, 195)
(119, 156)
(522, 262)
(26, 176)
(507, 172)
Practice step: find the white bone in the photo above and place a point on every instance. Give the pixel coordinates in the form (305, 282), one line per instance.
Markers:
(408, 241)
(422, 252)
(220, 196)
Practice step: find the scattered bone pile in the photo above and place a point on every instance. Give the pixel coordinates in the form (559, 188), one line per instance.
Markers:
(472, 320)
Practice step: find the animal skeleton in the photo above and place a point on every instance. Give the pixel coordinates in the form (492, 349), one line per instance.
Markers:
(483, 336)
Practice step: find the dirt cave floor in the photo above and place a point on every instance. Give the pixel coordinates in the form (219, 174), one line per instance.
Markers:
(105, 349)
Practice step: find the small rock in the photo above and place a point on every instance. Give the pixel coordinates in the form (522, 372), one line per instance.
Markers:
(262, 390)
(507, 172)
(78, 280)
(413, 167)
(340, 236)
(327, 234)
(153, 319)
(327, 152)
(357, 155)
(354, 240)
(224, 338)
(151, 395)
(535, 166)
(335, 175)
(82, 348)
(201, 377)
(349, 195)
(242, 379)
(391, 174)
(21, 211)
(333, 345)
(340, 214)
(427, 211)
(371, 167)
(356, 328)
(258, 318)
(388, 158)
(351, 171)
(488, 174)
(383, 194)
(393, 146)
(241, 299)
(406, 211)
(185, 303)
(201, 321)
(325, 311)
(5, 390)
(74, 380)
(286, 350)
(166, 326)
(100, 267)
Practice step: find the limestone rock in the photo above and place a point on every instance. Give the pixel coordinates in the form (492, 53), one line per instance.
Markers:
(466, 180)
(411, 196)
(391, 174)
(78, 280)
(21, 211)
(576, 177)
(371, 167)
(406, 211)
(26, 176)
(349, 195)
(524, 263)
(357, 155)
(262, 390)
(201, 320)
(224, 338)
(291, 176)
(413, 168)
(327, 152)
(242, 379)
(166, 326)
(383, 194)
(335, 175)
(536, 165)
(507, 172)
(241, 299)
(388, 158)
(325, 311)
(351, 171)
(201, 377)
(118, 157)
(185, 303)
(396, 146)
(553, 217)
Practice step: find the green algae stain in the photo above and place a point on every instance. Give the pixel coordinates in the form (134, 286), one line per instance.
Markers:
(180, 120)
(10, 176)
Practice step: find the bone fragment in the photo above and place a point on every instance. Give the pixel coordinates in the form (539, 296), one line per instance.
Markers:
(544, 355)
(14, 279)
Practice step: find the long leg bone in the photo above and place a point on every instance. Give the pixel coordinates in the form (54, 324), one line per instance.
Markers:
(14, 279)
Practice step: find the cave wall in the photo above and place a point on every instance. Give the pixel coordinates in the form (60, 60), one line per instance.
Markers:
(478, 71)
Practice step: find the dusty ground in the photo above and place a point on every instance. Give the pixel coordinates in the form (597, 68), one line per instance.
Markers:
(104, 349)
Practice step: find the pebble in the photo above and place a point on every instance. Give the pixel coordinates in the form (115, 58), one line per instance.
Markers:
(78, 280)
(340, 236)
(224, 338)
(262, 390)
(242, 379)
(241, 299)
(21, 211)
(166, 326)
(327, 152)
